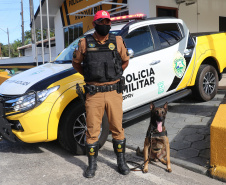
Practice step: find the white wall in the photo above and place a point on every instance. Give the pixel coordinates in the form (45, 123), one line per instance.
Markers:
(59, 33)
(25, 59)
(28, 52)
(202, 16)
(207, 19)
(139, 6)
(209, 12)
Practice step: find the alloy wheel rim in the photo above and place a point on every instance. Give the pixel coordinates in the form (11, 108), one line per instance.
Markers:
(209, 83)
(79, 129)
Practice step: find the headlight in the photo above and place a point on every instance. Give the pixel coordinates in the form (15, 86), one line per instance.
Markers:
(28, 101)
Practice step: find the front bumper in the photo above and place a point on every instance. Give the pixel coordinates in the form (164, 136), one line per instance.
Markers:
(5, 127)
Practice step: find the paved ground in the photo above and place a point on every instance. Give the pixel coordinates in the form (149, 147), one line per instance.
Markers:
(48, 163)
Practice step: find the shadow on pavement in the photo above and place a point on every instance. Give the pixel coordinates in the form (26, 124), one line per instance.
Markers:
(192, 144)
(39, 149)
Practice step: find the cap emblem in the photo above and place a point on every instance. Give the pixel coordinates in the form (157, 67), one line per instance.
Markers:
(104, 13)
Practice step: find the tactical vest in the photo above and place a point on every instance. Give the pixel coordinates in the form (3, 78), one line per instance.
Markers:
(102, 62)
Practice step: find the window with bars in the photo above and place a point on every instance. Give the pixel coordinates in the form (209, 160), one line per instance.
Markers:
(71, 33)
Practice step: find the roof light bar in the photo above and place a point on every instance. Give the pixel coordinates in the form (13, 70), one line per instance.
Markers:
(129, 17)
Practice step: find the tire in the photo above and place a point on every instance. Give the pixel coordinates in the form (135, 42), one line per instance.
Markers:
(206, 83)
(72, 128)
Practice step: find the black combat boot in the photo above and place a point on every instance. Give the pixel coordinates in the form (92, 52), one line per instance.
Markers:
(92, 153)
(119, 148)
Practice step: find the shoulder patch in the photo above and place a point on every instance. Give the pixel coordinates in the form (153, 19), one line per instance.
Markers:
(92, 45)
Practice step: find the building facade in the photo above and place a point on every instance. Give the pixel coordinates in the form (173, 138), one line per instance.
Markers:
(72, 18)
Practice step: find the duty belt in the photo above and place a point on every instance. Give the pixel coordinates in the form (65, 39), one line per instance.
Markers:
(93, 89)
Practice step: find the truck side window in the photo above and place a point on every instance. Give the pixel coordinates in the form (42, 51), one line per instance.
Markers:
(191, 43)
(169, 34)
(140, 40)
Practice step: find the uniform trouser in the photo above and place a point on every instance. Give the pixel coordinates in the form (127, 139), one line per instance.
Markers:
(95, 107)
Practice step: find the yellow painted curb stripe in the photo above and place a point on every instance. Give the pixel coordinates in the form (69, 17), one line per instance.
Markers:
(218, 144)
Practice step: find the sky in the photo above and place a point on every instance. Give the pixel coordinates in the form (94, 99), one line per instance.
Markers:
(10, 18)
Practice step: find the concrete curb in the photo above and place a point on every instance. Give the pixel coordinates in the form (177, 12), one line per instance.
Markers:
(218, 145)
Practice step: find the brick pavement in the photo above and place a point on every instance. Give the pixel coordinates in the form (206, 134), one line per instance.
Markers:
(188, 125)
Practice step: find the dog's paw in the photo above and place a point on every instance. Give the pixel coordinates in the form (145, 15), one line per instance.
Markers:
(145, 170)
(169, 170)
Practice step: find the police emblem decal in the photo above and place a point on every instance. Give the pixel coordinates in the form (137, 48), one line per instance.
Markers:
(92, 45)
(111, 46)
(179, 65)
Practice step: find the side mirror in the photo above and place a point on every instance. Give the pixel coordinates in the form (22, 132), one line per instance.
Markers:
(131, 52)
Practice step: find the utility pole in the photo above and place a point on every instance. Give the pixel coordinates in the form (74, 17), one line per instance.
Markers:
(8, 38)
(22, 17)
(40, 1)
(33, 33)
(8, 41)
(47, 9)
(1, 50)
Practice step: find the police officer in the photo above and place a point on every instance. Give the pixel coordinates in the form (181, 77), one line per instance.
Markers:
(104, 58)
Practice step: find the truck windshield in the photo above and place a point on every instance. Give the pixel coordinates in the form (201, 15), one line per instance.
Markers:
(67, 53)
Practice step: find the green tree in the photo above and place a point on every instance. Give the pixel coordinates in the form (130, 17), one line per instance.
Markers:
(17, 43)
(5, 50)
(13, 49)
(27, 35)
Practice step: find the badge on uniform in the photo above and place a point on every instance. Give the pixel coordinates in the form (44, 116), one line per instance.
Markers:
(111, 46)
(92, 45)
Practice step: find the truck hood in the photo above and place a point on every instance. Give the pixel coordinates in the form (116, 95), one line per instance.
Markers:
(37, 78)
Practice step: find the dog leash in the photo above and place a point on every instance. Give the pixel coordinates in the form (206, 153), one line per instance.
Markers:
(141, 166)
(138, 165)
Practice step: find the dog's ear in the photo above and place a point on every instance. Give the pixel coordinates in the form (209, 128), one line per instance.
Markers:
(152, 106)
(166, 106)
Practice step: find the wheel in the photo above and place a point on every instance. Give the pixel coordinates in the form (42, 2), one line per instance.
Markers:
(206, 83)
(72, 128)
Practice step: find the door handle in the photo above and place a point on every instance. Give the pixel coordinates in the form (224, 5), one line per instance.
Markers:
(155, 62)
(187, 51)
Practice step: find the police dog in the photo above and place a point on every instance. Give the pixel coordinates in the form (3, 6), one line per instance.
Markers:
(156, 144)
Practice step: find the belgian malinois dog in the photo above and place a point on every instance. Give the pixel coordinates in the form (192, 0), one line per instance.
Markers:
(156, 144)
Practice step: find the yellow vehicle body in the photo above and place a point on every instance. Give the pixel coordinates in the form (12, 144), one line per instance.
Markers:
(208, 46)
(41, 123)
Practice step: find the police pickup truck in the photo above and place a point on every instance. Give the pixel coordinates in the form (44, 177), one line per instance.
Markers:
(166, 63)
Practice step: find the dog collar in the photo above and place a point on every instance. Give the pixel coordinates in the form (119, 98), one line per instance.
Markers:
(159, 134)
(153, 133)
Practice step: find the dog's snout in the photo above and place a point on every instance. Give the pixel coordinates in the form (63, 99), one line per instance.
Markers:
(160, 118)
